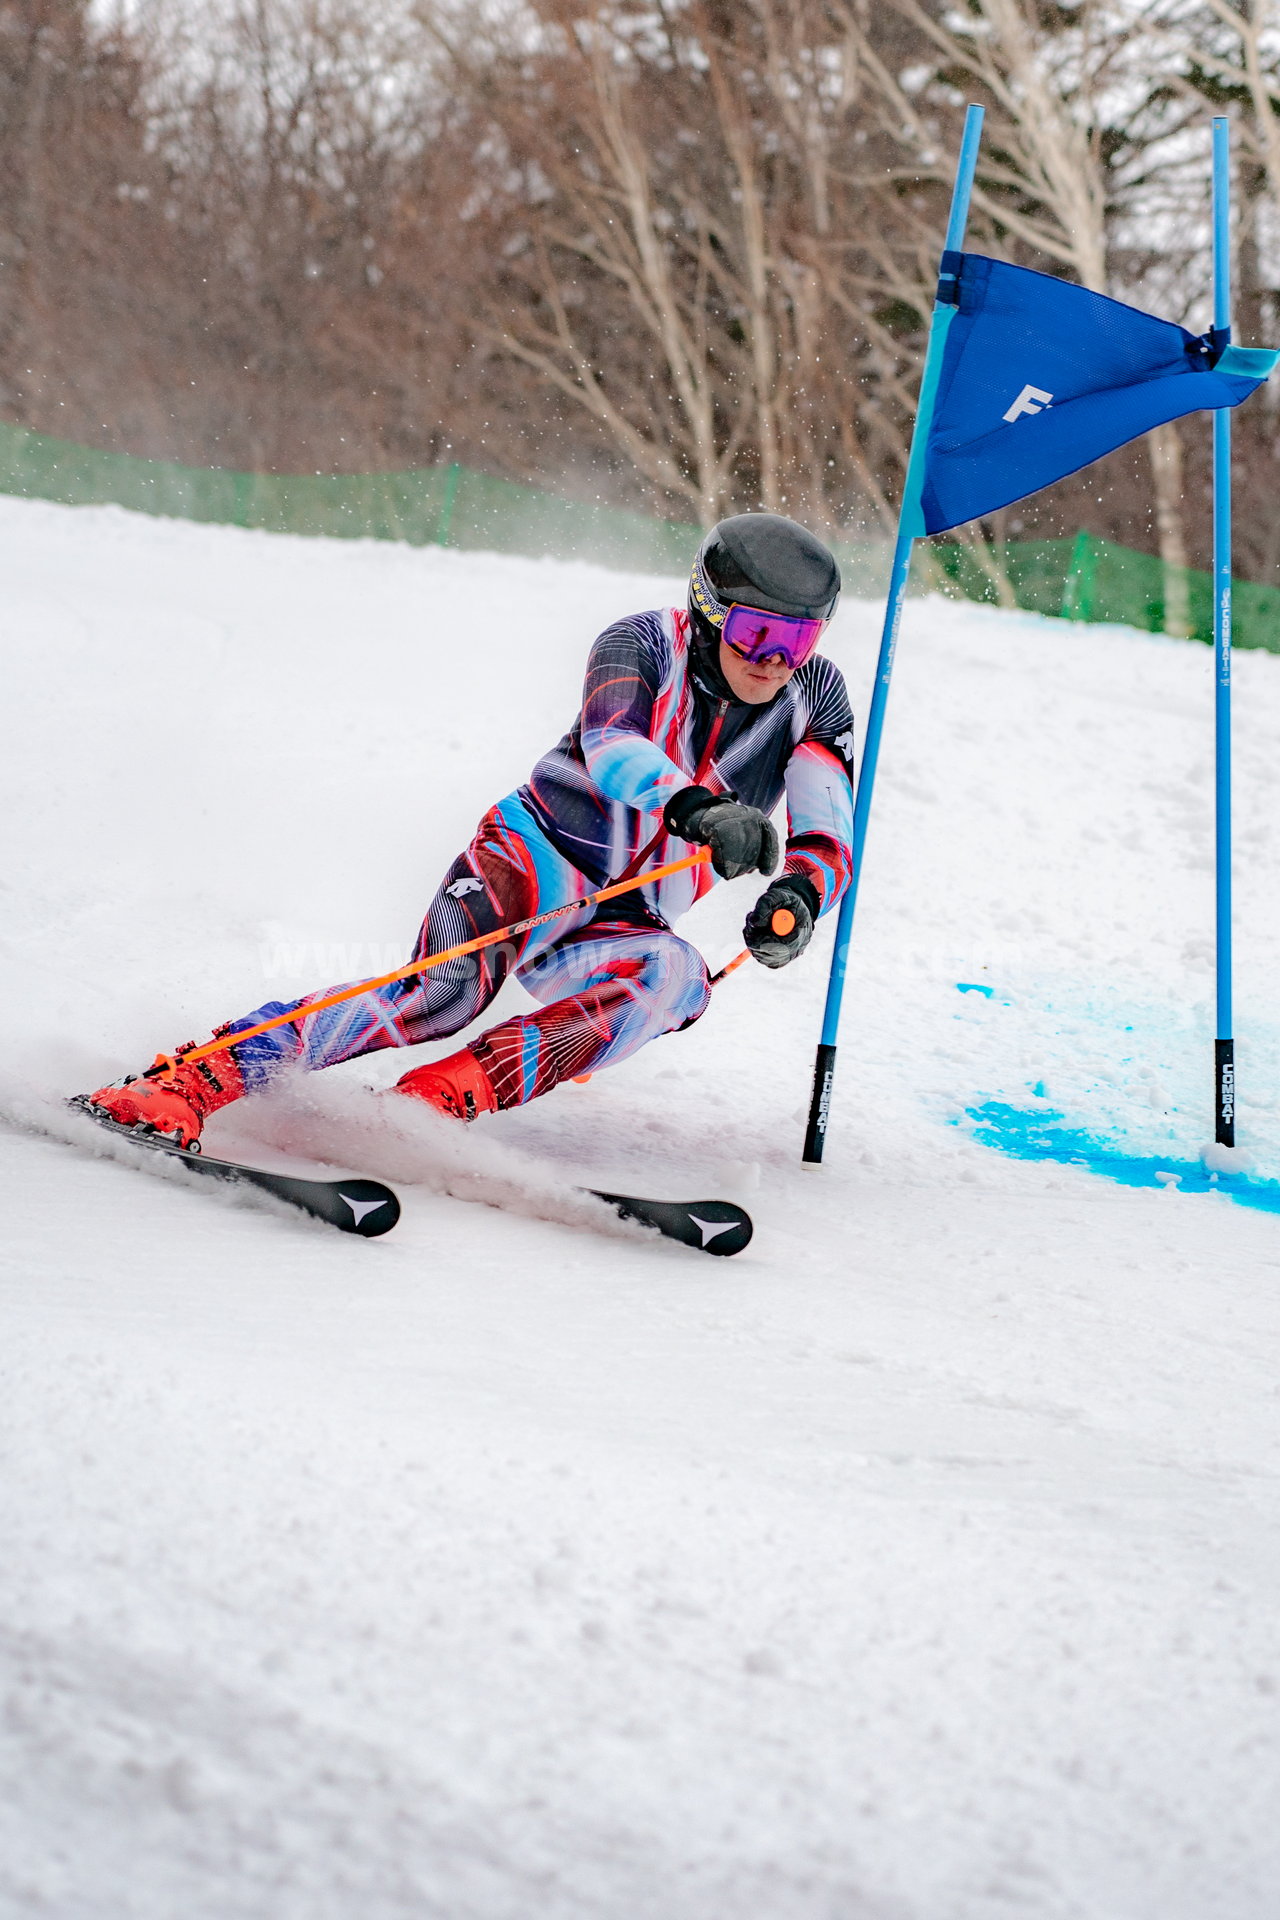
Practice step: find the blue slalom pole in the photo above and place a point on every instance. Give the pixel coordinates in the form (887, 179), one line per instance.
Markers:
(910, 525)
(1224, 1044)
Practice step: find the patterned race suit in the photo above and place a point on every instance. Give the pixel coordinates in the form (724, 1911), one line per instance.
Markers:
(610, 979)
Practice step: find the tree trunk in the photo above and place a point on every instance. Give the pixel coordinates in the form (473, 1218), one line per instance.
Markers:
(1165, 446)
(989, 559)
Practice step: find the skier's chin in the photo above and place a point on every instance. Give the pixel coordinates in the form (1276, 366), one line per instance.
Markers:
(755, 685)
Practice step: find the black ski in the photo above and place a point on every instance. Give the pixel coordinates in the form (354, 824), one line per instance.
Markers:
(368, 1208)
(365, 1207)
(714, 1226)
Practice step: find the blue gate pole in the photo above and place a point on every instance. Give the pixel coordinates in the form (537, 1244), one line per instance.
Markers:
(910, 524)
(1224, 1044)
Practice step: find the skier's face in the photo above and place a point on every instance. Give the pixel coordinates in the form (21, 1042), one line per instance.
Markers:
(754, 681)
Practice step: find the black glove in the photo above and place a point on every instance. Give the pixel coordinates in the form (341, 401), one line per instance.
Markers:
(741, 839)
(793, 895)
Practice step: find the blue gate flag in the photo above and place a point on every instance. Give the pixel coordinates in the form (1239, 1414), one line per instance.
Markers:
(1038, 377)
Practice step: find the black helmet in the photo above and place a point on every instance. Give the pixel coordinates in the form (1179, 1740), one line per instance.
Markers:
(762, 560)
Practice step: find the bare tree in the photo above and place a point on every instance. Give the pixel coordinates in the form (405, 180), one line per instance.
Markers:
(75, 180)
(229, 232)
(1082, 130)
(302, 142)
(1228, 51)
(677, 252)
(624, 284)
(660, 183)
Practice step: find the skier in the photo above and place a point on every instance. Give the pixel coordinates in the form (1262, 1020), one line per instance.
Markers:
(694, 722)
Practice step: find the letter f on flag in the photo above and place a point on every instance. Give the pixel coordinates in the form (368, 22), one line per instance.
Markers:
(1030, 400)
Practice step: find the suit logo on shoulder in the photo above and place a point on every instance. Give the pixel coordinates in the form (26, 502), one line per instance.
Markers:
(843, 744)
(465, 886)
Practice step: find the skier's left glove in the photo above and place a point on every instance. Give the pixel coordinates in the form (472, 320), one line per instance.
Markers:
(792, 901)
(741, 839)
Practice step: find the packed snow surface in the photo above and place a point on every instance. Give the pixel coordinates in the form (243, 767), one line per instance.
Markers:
(919, 1564)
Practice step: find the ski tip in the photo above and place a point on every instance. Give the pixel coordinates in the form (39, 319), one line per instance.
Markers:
(712, 1226)
(363, 1207)
(373, 1208)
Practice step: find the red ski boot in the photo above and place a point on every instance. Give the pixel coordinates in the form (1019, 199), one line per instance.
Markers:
(458, 1086)
(175, 1104)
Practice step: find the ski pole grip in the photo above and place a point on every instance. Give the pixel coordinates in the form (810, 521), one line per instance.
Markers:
(783, 922)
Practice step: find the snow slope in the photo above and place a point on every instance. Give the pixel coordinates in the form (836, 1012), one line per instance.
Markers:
(919, 1564)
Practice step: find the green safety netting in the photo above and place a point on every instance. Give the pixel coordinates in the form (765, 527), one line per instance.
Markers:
(1091, 579)
(443, 506)
(1080, 579)
(446, 505)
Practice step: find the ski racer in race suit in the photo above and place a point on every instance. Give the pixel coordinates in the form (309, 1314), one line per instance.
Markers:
(694, 723)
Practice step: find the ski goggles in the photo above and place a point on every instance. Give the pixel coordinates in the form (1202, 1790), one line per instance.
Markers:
(755, 634)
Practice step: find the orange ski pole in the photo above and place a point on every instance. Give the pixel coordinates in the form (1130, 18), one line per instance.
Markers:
(783, 923)
(168, 1062)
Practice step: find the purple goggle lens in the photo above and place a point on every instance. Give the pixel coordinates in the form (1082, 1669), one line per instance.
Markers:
(755, 635)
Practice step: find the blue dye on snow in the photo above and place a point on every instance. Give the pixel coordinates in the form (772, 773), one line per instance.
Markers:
(1041, 1135)
(973, 986)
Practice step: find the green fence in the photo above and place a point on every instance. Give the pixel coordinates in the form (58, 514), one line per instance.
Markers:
(433, 506)
(1080, 579)
(446, 505)
(1091, 579)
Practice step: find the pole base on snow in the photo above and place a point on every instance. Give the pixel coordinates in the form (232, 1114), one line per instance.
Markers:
(1224, 1092)
(824, 1072)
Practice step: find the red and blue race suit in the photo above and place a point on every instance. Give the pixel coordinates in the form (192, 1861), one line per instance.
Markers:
(614, 977)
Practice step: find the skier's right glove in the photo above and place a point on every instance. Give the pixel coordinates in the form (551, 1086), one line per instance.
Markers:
(780, 925)
(741, 839)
